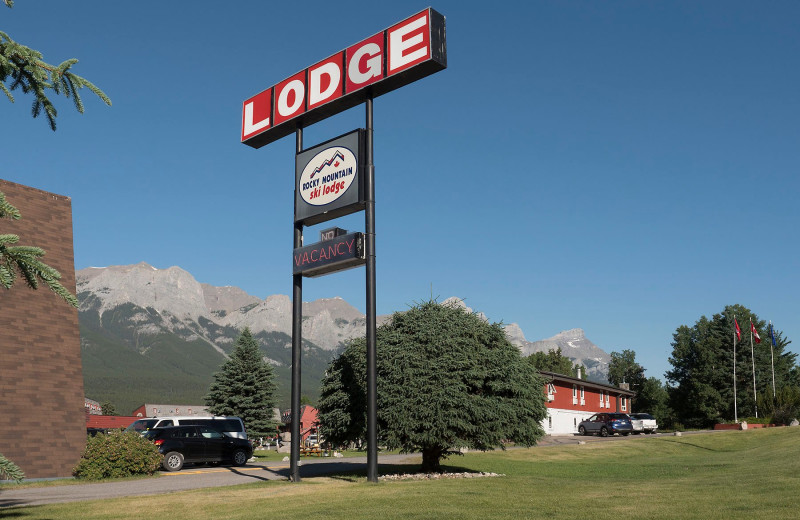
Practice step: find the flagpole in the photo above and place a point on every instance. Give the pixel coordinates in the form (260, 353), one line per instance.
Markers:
(735, 412)
(753, 359)
(772, 355)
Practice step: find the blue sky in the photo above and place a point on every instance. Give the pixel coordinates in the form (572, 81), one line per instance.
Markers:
(622, 167)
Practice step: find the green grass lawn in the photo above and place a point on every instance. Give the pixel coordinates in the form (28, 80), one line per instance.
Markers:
(737, 474)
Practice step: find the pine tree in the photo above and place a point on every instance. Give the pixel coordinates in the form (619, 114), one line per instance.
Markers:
(446, 380)
(245, 387)
(25, 260)
(24, 68)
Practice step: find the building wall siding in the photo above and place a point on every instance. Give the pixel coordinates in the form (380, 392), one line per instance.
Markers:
(41, 377)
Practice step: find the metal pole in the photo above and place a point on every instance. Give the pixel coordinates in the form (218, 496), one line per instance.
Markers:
(735, 411)
(772, 355)
(753, 359)
(372, 363)
(297, 346)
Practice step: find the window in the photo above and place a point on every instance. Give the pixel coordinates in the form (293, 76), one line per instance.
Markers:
(549, 422)
(208, 433)
(583, 396)
(601, 399)
(574, 394)
(624, 404)
(551, 390)
(608, 400)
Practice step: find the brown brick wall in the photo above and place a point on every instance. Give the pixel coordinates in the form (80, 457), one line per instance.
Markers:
(42, 418)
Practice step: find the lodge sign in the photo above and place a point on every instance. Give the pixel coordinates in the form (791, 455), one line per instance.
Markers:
(340, 253)
(397, 56)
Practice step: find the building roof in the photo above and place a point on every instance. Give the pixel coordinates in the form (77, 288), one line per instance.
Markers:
(552, 376)
(109, 421)
(171, 410)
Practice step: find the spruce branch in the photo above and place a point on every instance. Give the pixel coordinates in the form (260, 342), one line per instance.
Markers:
(25, 69)
(8, 469)
(26, 260)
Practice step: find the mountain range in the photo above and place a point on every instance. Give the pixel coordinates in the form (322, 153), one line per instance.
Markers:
(158, 335)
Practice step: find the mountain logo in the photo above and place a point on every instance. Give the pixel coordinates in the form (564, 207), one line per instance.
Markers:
(328, 175)
(337, 155)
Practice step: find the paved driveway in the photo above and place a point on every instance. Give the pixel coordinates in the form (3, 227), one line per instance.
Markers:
(190, 478)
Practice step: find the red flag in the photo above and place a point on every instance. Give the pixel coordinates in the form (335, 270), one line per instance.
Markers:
(738, 331)
(755, 332)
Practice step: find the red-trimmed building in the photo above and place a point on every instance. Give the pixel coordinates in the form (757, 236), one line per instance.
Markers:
(570, 400)
(108, 422)
(308, 421)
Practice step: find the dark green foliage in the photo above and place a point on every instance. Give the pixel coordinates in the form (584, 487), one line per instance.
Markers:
(117, 455)
(26, 260)
(652, 398)
(244, 387)
(446, 380)
(24, 69)
(702, 373)
(10, 471)
(623, 368)
(552, 361)
(783, 406)
(108, 409)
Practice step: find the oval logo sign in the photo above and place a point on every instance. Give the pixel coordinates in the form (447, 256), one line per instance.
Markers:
(328, 175)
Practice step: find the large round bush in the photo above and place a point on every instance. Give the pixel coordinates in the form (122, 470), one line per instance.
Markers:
(117, 455)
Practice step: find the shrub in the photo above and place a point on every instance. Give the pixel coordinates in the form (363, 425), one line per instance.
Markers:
(784, 407)
(9, 470)
(756, 420)
(117, 455)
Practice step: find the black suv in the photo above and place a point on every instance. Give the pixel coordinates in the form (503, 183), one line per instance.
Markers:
(180, 444)
(605, 424)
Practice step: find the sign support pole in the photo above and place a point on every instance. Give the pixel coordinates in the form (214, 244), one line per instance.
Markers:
(372, 365)
(297, 345)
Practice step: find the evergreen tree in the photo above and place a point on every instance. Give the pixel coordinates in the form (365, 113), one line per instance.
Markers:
(25, 70)
(245, 387)
(446, 380)
(623, 368)
(652, 398)
(702, 373)
(25, 260)
(108, 409)
(552, 361)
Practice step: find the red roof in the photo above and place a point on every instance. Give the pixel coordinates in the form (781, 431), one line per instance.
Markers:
(109, 421)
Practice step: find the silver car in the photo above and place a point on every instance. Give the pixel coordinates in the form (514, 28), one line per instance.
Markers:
(643, 423)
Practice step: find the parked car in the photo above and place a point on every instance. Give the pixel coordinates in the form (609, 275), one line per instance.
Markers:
(643, 423)
(230, 425)
(182, 444)
(606, 424)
